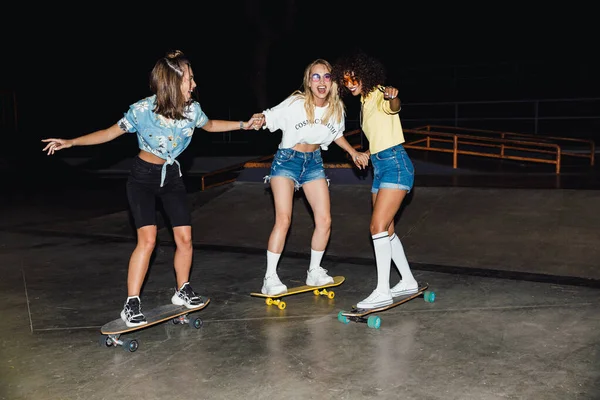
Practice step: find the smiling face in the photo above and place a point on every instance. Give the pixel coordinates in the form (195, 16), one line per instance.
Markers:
(187, 84)
(353, 84)
(319, 81)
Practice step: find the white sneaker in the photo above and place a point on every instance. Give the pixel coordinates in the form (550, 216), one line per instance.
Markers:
(318, 277)
(375, 300)
(273, 286)
(403, 288)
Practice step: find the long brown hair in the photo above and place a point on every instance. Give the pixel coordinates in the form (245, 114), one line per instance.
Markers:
(165, 82)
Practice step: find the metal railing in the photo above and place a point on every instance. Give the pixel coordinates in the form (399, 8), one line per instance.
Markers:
(465, 144)
(571, 146)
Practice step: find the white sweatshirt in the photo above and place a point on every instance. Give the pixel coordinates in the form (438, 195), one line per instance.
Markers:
(290, 117)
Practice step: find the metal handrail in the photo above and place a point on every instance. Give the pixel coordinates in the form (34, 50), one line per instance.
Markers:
(502, 144)
(514, 135)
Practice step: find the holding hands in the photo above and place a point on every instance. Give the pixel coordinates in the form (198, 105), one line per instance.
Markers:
(258, 120)
(253, 123)
(360, 159)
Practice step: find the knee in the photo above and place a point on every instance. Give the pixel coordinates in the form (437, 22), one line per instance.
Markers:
(283, 222)
(184, 241)
(147, 242)
(376, 228)
(323, 222)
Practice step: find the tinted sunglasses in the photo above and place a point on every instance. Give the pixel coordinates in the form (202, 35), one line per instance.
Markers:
(317, 77)
(350, 80)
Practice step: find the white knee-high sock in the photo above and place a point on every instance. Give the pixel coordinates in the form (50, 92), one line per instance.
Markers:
(315, 258)
(400, 260)
(383, 258)
(272, 260)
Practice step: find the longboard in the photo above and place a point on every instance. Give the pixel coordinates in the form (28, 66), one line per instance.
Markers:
(112, 330)
(374, 321)
(317, 290)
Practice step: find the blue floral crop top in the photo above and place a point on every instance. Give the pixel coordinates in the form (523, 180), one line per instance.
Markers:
(163, 137)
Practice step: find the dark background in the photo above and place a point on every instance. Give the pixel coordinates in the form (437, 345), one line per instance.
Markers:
(76, 70)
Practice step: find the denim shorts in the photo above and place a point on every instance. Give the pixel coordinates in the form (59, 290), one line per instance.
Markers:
(392, 169)
(298, 166)
(143, 187)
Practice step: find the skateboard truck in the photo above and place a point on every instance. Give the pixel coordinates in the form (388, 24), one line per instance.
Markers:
(179, 315)
(113, 340)
(317, 291)
(281, 304)
(374, 321)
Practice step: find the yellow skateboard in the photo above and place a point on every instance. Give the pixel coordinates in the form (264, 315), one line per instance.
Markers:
(317, 290)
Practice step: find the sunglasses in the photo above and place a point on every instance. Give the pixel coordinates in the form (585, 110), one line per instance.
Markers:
(350, 80)
(317, 77)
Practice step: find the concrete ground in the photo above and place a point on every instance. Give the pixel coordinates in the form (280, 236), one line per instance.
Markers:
(512, 257)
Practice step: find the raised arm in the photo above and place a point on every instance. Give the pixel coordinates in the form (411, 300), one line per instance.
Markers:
(98, 137)
(390, 93)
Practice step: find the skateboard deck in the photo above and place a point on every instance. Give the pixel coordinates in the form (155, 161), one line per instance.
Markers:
(112, 330)
(373, 321)
(317, 290)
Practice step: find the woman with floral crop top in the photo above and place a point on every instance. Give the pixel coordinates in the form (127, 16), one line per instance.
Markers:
(393, 171)
(309, 120)
(164, 124)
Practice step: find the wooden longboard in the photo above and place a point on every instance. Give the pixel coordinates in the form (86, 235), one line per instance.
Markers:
(358, 314)
(153, 316)
(317, 290)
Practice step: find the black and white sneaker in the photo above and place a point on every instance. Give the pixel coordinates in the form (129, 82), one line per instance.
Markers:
(132, 312)
(186, 296)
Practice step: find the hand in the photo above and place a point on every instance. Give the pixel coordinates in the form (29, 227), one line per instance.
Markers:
(256, 122)
(361, 160)
(56, 144)
(390, 93)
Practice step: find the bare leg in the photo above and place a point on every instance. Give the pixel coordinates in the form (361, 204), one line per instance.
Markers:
(386, 204)
(317, 194)
(385, 207)
(283, 194)
(183, 253)
(140, 259)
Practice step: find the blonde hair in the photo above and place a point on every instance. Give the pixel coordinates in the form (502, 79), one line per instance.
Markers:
(336, 108)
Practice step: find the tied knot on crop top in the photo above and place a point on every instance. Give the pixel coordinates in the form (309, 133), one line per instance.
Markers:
(165, 138)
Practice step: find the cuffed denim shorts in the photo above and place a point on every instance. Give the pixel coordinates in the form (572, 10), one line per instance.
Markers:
(392, 169)
(298, 166)
(143, 187)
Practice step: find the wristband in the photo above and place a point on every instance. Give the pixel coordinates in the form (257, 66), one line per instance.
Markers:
(241, 124)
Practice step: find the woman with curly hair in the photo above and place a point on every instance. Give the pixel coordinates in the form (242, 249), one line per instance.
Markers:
(393, 171)
(310, 119)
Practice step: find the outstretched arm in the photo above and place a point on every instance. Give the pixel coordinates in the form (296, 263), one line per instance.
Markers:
(98, 137)
(360, 159)
(218, 125)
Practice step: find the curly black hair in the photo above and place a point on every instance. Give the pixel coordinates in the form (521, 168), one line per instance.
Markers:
(369, 70)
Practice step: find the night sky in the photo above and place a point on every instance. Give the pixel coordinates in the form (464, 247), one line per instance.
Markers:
(76, 71)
